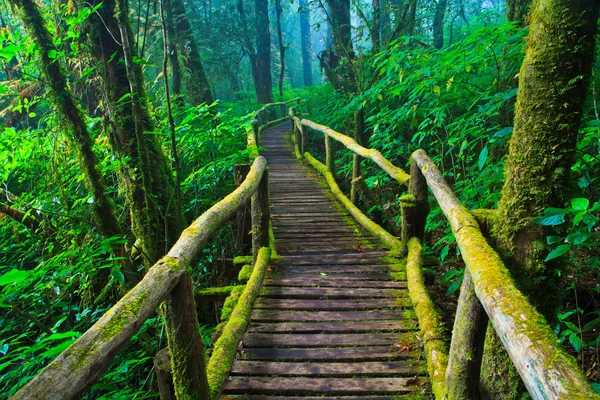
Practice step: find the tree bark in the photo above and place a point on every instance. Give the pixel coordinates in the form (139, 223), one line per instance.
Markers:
(173, 54)
(305, 43)
(552, 89)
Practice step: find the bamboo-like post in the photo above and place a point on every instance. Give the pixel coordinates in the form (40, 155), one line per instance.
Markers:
(185, 343)
(243, 221)
(418, 188)
(164, 379)
(466, 349)
(329, 155)
(304, 143)
(261, 215)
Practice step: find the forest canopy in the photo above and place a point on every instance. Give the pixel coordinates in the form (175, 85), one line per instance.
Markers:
(123, 121)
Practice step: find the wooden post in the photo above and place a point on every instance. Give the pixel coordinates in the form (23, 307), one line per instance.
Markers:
(304, 139)
(466, 349)
(243, 222)
(164, 379)
(256, 127)
(356, 175)
(185, 343)
(418, 188)
(261, 215)
(329, 155)
(408, 208)
(282, 110)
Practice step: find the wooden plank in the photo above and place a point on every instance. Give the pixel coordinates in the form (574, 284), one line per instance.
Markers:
(304, 304)
(300, 385)
(333, 369)
(362, 353)
(332, 268)
(279, 315)
(261, 397)
(287, 274)
(331, 292)
(334, 326)
(316, 340)
(331, 281)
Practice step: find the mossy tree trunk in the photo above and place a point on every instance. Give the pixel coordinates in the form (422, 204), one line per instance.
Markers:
(173, 53)
(552, 89)
(438, 23)
(145, 175)
(264, 87)
(282, 48)
(196, 81)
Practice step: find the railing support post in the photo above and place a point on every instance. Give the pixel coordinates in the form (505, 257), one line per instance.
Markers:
(243, 220)
(188, 363)
(304, 143)
(164, 379)
(261, 215)
(418, 188)
(329, 155)
(256, 127)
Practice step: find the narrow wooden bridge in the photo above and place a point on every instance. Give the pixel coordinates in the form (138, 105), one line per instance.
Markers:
(330, 320)
(332, 315)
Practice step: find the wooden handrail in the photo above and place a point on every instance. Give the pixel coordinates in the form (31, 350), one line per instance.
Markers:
(397, 173)
(544, 366)
(84, 362)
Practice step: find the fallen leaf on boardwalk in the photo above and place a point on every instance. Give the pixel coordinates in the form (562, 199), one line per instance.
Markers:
(323, 273)
(412, 381)
(270, 269)
(360, 248)
(402, 347)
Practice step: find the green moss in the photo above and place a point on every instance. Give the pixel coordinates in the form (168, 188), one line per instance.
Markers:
(231, 302)
(241, 260)
(245, 273)
(430, 321)
(214, 292)
(225, 348)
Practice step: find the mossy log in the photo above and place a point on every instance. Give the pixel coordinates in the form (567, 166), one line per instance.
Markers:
(430, 320)
(264, 108)
(84, 362)
(225, 348)
(252, 140)
(209, 295)
(261, 216)
(243, 223)
(242, 260)
(544, 366)
(245, 273)
(387, 239)
(372, 154)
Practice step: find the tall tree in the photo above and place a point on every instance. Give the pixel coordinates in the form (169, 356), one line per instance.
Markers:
(305, 43)
(196, 81)
(336, 60)
(552, 90)
(438, 23)
(145, 174)
(264, 89)
(282, 48)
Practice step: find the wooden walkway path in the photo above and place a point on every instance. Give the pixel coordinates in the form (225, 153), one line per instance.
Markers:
(330, 321)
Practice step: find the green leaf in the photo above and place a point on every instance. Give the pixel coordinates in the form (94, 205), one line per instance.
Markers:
(118, 275)
(56, 350)
(437, 90)
(596, 387)
(52, 54)
(58, 336)
(483, 157)
(551, 220)
(580, 204)
(553, 239)
(557, 252)
(13, 276)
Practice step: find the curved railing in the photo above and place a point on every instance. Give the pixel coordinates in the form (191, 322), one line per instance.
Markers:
(487, 291)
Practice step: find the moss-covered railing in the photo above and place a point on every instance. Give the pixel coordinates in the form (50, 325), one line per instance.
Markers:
(268, 115)
(488, 290)
(167, 284)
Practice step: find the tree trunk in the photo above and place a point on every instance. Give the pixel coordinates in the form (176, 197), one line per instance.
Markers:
(552, 89)
(264, 92)
(173, 53)
(145, 175)
(336, 61)
(376, 39)
(305, 43)
(196, 82)
(278, 12)
(516, 10)
(438, 24)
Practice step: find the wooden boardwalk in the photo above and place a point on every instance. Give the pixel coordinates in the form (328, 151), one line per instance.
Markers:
(330, 321)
